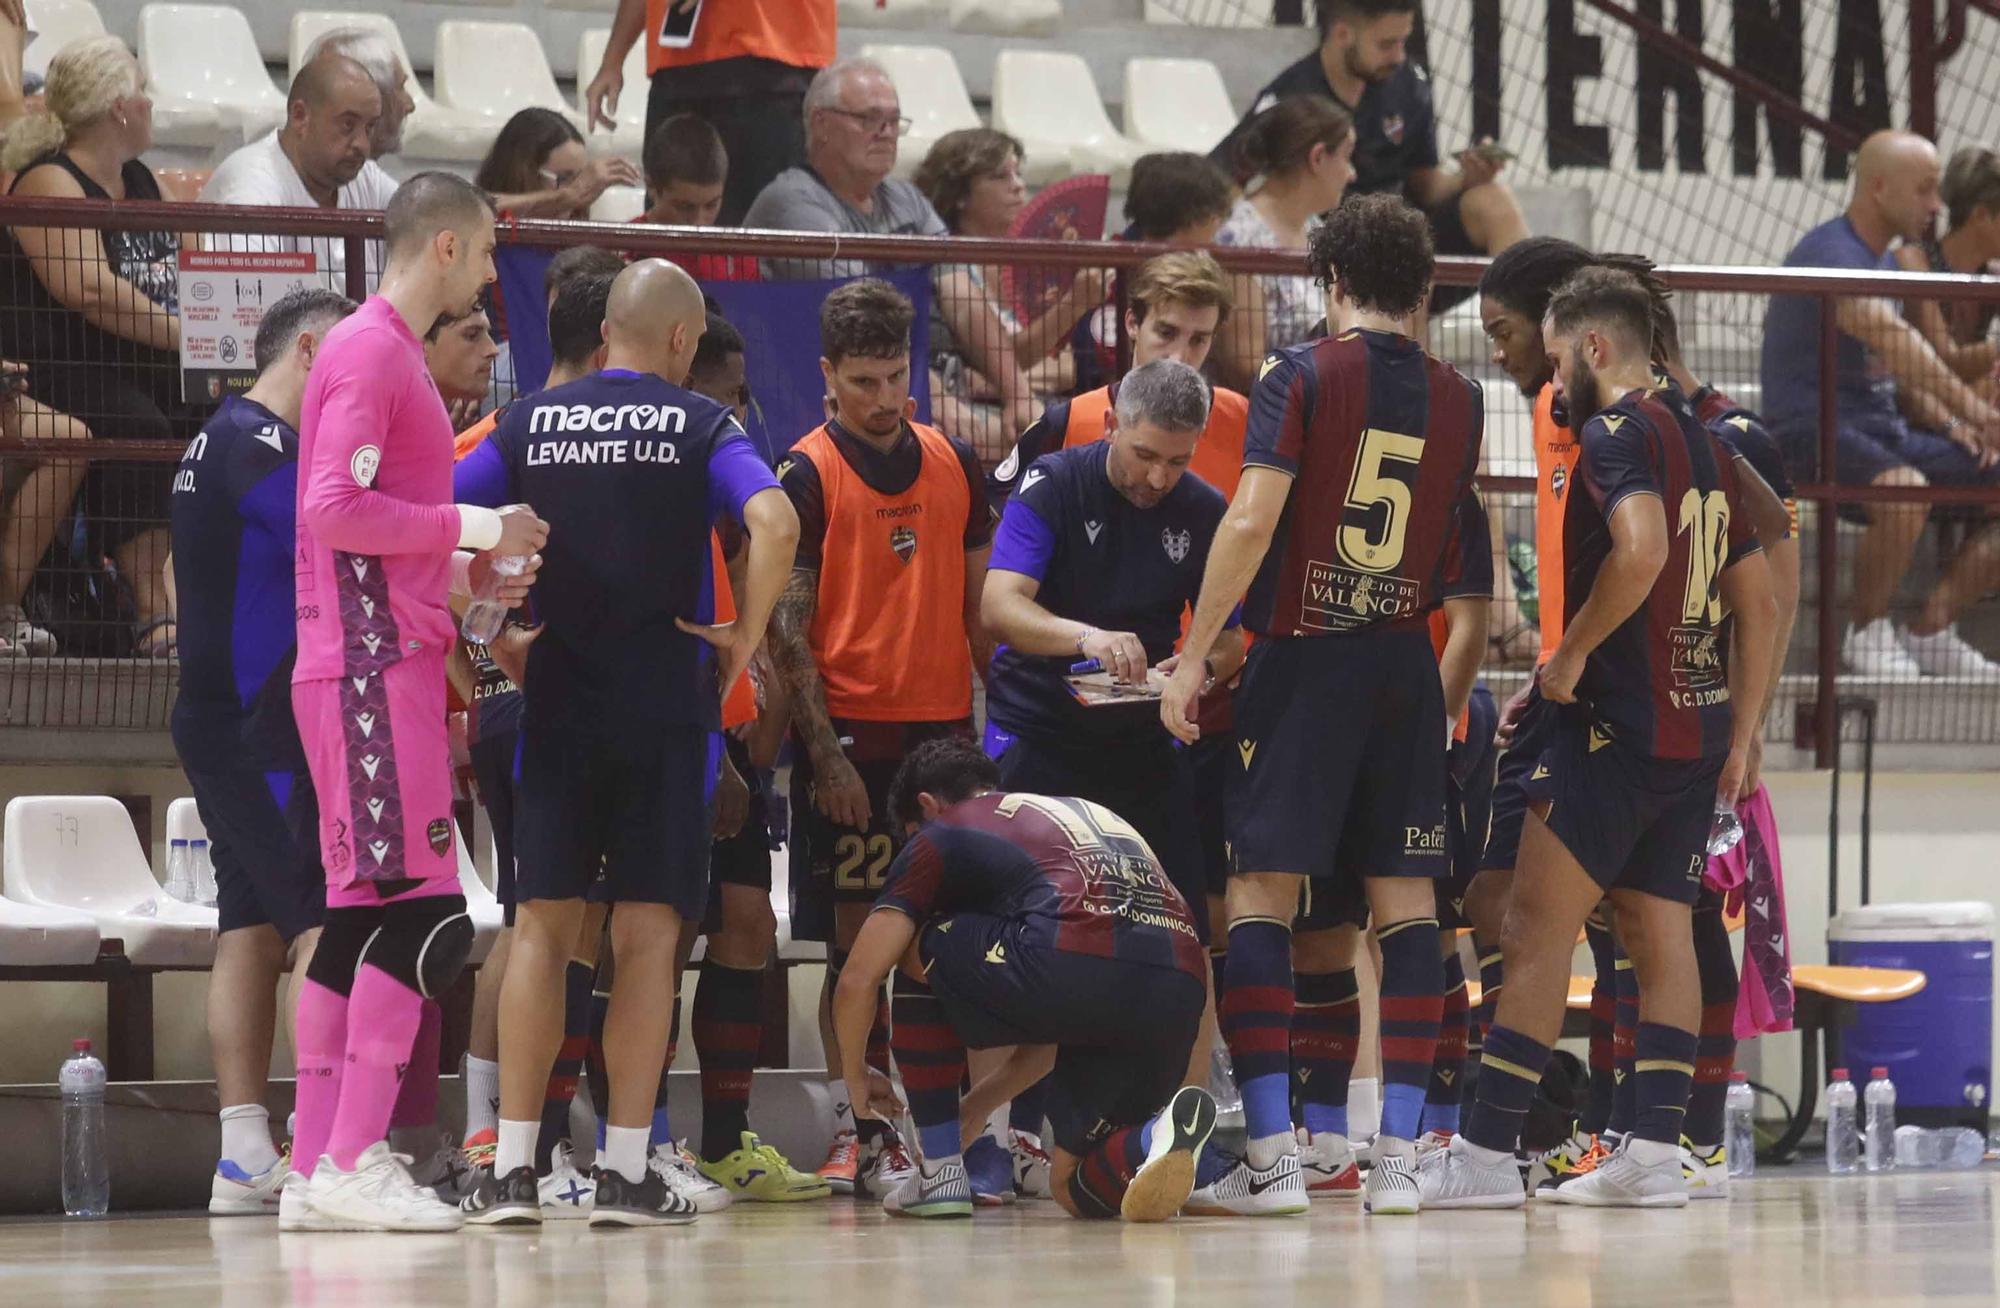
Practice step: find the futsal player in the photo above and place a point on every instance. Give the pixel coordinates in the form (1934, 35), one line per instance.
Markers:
(1341, 780)
(1045, 926)
(616, 759)
(235, 542)
(875, 638)
(376, 564)
(1647, 744)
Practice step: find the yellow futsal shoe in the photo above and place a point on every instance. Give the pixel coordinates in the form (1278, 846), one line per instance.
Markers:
(759, 1174)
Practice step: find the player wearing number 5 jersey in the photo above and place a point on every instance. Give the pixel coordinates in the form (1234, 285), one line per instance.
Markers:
(1658, 704)
(1357, 485)
(875, 638)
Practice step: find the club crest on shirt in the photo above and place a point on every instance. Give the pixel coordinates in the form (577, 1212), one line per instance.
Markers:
(1558, 480)
(1392, 127)
(903, 540)
(1176, 543)
(439, 834)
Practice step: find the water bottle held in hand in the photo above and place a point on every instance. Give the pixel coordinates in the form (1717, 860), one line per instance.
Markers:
(1878, 1135)
(486, 614)
(86, 1176)
(1843, 1137)
(1726, 831)
(1739, 1131)
(180, 871)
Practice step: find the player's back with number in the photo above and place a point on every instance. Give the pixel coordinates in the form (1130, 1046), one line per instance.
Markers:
(1382, 440)
(1659, 682)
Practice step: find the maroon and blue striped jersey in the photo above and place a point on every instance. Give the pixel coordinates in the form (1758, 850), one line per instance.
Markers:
(1659, 683)
(1382, 442)
(1075, 875)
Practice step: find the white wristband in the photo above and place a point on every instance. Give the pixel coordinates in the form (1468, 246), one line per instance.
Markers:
(478, 527)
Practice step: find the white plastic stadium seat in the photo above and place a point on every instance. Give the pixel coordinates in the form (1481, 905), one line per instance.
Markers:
(495, 70)
(888, 13)
(1214, 13)
(205, 75)
(480, 905)
(431, 131)
(184, 821)
(55, 24)
(618, 204)
(629, 137)
(1176, 104)
(932, 94)
(79, 852)
(789, 950)
(1007, 17)
(1050, 102)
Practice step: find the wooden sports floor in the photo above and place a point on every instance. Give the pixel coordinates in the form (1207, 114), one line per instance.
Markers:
(1793, 1237)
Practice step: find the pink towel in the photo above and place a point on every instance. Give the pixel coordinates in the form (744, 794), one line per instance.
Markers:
(1753, 883)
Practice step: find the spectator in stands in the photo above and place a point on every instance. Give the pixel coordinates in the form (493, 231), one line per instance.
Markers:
(539, 167)
(687, 171)
(1960, 331)
(459, 353)
(94, 314)
(319, 158)
(743, 68)
(853, 123)
(374, 51)
(13, 41)
(972, 177)
(1295, 160)
(34, 500)
(1363, 62)
(1905, 418)
(1178, 198)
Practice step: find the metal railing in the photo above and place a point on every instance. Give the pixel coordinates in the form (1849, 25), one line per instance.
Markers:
(1720, 311)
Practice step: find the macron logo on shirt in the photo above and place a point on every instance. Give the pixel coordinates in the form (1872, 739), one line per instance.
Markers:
(607, 418)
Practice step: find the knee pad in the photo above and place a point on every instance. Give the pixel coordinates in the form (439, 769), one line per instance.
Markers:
(342, 941)
(423, 943)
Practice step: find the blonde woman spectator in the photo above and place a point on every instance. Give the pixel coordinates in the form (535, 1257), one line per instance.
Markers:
(1294, 162)
(92, 312)
(1960, 330)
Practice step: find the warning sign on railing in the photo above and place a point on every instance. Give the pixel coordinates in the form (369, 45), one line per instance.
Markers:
(223, 297)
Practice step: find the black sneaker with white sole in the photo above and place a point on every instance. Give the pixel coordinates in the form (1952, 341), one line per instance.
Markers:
(511, 1200)
(646, 1202)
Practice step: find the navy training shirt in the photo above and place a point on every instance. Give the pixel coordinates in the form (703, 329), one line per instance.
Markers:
(1788, 365)
(1395, 123)
(630, 472)
(235, 543)
(1103, 560)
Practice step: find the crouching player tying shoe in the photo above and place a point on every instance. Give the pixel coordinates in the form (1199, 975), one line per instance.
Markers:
(1658, 709)
(1045, 925)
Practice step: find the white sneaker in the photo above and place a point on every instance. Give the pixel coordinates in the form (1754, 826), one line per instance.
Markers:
(20, 636)
(1876, 651)
(378, 1195)
(1392, 1186)
(237, 1193)
(1328, 1165)
(1276, 1191)
(1431, 1142)
(1031, 1165)
(1621, 1181)
(1945, 653)
(947, 1192)
(1452, 1178)
(892, 1166)
(566, 1194)
(673, 1165)
(295, 1210)
(1706, 1171)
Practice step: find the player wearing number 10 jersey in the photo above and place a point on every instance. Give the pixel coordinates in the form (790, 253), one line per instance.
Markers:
(1356, 491)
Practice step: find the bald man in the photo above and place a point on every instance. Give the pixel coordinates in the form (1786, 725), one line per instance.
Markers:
(1903, 418)
(618, 750)
(320, 159)
(373, 50)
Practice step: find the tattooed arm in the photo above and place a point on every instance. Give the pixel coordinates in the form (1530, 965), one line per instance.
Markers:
(838, 791)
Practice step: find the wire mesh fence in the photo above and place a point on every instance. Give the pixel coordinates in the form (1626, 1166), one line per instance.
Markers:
(86, 614)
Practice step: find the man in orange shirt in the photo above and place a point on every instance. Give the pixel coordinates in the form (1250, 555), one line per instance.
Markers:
(743, 67)
(875, 639)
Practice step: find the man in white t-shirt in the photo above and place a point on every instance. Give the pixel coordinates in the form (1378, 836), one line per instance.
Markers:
(319, 158)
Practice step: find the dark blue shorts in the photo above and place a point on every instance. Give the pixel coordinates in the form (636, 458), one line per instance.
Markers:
(1340, 760)
(1149, 782)
(263, 840)
(832, 864)
(744, 859)
(1468, 804)
(1123, 1031)
(1509, 805)
(1864, 449)
(1633, 822)
(617, 822)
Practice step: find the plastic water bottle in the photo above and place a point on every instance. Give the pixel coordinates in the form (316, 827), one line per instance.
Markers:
(1947, 1149)
(1843, 1139)
(1726, 831)
(1739, 1130)
(180, 871)
(204, 873)
(1878, 1140)
(486, 614)
(86, 1179)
